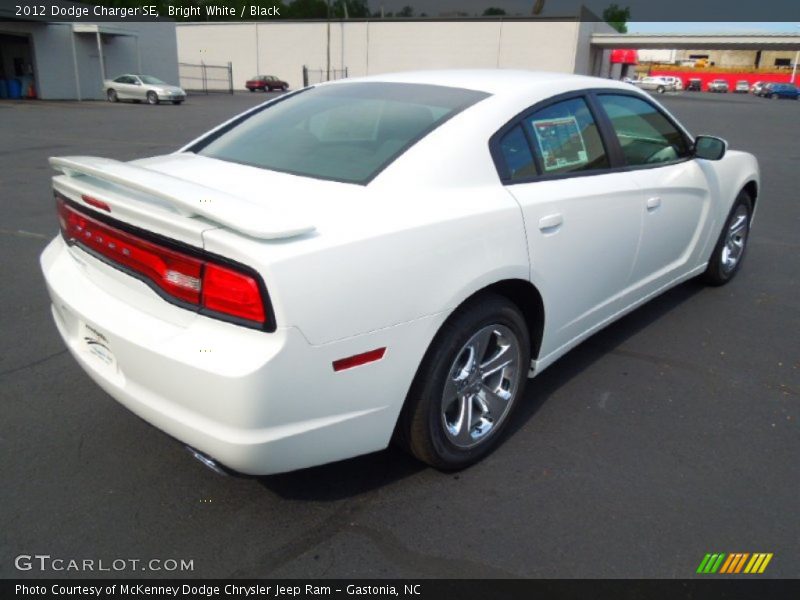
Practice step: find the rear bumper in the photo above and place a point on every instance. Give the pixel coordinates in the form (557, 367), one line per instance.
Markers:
(256, 402)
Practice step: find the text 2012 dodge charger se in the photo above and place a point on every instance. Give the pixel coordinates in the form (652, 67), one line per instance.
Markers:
(390, 257)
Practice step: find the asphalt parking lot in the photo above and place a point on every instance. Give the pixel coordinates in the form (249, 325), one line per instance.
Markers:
(670, 434)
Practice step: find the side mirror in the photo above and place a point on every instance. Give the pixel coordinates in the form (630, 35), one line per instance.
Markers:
(709, 147)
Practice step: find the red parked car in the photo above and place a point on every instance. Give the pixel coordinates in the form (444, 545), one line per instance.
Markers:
(266, 83)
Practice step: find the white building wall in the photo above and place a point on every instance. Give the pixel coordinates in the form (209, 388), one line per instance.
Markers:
(281, 48)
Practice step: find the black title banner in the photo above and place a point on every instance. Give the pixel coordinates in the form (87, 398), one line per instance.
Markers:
(338, 589)
(784, 11)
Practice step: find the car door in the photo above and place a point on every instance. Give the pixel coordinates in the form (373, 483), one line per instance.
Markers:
(676, 203)
(138, 89)
(121, 87)
(582, 220)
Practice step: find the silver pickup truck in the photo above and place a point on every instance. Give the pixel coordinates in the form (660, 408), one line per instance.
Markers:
(657, 84)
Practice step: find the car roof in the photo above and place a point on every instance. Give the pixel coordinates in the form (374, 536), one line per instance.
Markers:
(492, 81)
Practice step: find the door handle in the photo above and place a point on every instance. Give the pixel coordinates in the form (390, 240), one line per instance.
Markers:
(550, 223)
(653, 203)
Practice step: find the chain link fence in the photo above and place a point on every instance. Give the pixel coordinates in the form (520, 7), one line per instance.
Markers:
(312, 76)
(206, 79)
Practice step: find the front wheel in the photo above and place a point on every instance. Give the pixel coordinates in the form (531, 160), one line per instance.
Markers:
(112, 96)
(660, 89)
(176, 102)
(152, 98)
(467, 385)
(284, 87)
(732, 243)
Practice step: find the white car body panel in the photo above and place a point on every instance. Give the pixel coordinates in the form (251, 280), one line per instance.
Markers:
(380, 265)
(602, 208)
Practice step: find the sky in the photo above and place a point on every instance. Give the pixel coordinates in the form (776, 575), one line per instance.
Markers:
(691, 27)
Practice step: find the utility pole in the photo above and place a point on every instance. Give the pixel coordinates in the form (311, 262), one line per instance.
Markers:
(328, 78)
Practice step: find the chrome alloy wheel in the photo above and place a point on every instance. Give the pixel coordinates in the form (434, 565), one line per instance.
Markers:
(735, 239)
(481, 386)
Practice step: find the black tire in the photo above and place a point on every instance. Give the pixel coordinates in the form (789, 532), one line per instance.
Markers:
(421, 426)
(661, 89)
(177, 102)
(152, 98)
(252, 89)
(111, 95)
(718, 272)
(284, 87)
(774, 97)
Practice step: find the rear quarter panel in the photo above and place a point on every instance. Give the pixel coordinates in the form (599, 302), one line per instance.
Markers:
(388, 261)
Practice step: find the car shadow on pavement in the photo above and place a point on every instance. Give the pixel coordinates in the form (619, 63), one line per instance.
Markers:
(356, 476)
(346, 478)
(595, 347)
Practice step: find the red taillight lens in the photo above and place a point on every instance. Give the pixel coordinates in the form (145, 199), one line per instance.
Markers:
(232, 293)
(197, 281)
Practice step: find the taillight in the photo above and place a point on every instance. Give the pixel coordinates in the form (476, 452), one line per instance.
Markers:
(213, 287)
(228, 291)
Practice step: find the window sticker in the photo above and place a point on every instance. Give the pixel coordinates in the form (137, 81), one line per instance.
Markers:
(560, 142)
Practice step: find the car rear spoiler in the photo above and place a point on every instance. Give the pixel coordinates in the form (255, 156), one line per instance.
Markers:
(187, 198)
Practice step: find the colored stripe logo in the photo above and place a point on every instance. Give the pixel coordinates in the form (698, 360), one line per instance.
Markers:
(738, 562)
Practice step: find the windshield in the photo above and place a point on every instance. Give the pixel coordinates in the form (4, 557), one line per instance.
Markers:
(151, 80)
(345, 132)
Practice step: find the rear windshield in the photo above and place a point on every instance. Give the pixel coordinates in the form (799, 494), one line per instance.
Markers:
(346, 132)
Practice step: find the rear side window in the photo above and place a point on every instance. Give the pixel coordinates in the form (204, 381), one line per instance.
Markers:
(566, 139)
(517, 154)
(646, 136)
(346, 132)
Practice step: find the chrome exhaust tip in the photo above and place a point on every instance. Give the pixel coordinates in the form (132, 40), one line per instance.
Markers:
(207, 461)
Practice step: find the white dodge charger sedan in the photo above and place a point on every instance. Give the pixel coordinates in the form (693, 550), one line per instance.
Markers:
(382, 258)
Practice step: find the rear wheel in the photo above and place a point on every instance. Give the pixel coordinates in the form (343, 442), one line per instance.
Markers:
(252, 89)
(732, 243)
(152, 98)
(467, 385)
(284, 87)
(112, 96)
(176, 102)
(660, 89)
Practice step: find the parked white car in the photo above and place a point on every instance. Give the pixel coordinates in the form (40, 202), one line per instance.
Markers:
(658, 84)
(142, 88)
(428, 242)
(676, 82)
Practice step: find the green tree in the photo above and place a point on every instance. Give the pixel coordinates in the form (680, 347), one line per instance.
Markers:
(406, 12)
(617, 17)
(493, 11)
(307, 9)
(356, 9)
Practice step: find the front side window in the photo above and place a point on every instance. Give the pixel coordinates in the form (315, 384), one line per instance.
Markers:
(345, 132)
(646, 136)
(566, 139)
(151, 80)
